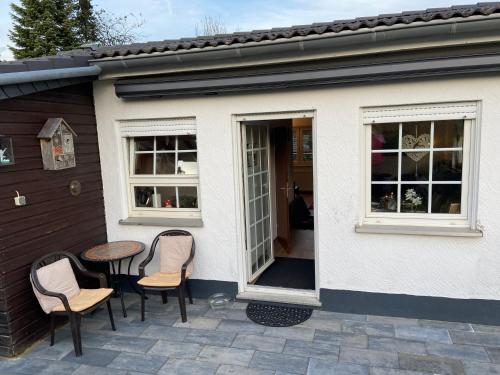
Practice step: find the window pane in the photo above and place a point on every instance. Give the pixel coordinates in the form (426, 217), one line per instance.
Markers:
(144, 163)
(307, 145)
(188, 197)
(144, 143)
(187, 142)
(263, 136)
(448, 133)
(186, 163)
(263, 160)
(384, 198)
(385, 166)
(447, 166)
(165, 143)
(416, 135)
(294, 144)
(256, 161)
(165, 163)
(144, 196)
(385, 136)
(446, 199)
(414, 198)
(166, 195)
(415, 166)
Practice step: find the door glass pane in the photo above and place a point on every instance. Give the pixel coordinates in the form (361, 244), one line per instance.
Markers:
(250, 188)
(249, 140)
(255, 136)
(186, 163)
(256, 161)
(385, 136)
(165, 143)
(414, 198)
(166, 195)
(415, 166)
(263, 160)
(448, 133)
(267, 250)
(144, 196)
(258, 209)
(265, 205)
(265, 183)
(384, 198)
(260, 255)
(446, 199)
(263, 137)
(165, 163)
(188, 196)
(253, 237)
(254, 261)
(257, 186)
(186, 142)
(144, 143)
(385, 166)
(251, 211)
(144, 163)
(447, 166)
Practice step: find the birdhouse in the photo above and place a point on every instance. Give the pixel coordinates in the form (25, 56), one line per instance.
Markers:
(56, 142)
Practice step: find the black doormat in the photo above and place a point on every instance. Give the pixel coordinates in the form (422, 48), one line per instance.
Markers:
(289, 273)
(272, 315)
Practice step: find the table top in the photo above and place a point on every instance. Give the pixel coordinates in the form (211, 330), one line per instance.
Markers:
(110, 251)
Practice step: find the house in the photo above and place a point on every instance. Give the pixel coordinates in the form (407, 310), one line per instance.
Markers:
(347, 165)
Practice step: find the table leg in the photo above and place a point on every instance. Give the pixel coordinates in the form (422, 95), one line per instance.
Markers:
(132, 284)
(117, 286)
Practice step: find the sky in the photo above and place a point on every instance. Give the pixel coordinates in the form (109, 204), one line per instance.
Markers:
(167, 19)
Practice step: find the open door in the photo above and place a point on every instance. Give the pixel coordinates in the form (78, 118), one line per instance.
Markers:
(259, 247)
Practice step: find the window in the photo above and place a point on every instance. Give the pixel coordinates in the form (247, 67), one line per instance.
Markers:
(302, 153)
(418, 166)
(162, 168)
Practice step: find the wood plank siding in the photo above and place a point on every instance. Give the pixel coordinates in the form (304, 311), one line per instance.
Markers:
(53, 219)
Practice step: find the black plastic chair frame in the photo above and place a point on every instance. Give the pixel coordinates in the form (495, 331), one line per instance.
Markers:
(74, 316)
(182, 289)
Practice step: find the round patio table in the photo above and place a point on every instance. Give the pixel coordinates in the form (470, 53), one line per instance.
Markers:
(112, 252)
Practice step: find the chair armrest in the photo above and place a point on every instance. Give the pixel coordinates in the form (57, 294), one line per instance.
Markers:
(185, 265)
(61, 296)
(142, 266)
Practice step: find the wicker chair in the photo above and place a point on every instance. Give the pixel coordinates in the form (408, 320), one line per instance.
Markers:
(176, 277)
(56, 289)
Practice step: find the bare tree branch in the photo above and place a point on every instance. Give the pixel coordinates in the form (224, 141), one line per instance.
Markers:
(209, 26)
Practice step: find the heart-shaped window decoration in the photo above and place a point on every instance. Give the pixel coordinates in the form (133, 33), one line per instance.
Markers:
(422, 141)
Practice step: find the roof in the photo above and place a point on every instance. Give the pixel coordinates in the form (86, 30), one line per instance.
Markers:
(404, 18)
(45, 63)
(51, 126)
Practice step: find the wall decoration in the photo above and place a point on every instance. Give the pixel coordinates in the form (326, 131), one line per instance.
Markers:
(56, 142)
(6, 151)
(422, 141)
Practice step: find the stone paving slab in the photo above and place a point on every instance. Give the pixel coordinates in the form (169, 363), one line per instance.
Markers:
(225, 342)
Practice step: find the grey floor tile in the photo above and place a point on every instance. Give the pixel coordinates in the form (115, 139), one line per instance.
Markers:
(311, 349)
(239, 370)
(188, 367)
(158, 320)
(129, 344)
(475, 338)
(173, 349)
(338, 315)
(432, 364)
(238, 305)
(393, 320)
(293, 333)
(342, 338)
(56, 352)
(393, 371)
(322, 367)
(493, 354)
(368, 328)
(93, 357)
(239, 326)
(455, 326)
(165, 333)
(423, 334)
(257, 342)
(282, 362)
(226, 356)
(462, 352)
(485, 328)
(481, 368)
(125, 329)
(210, 337)
(198, 323)
(228, 313)
(148, 364)
(324, 324)
(368, 357)
(92, 370)
(390, 344)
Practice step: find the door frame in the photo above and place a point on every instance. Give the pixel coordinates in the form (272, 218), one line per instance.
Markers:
(267, 292)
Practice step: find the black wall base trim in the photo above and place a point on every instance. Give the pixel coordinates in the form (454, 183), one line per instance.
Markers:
(481, 311)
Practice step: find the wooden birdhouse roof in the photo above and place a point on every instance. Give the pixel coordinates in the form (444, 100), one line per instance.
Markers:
(51, 126)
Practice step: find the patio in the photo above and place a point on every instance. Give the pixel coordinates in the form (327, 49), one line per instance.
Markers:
(226, 342)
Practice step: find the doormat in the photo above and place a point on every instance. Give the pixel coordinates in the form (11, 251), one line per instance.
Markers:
(272, 315)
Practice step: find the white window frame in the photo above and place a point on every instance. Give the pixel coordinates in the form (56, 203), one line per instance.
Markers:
(467, 111)
(131, 129)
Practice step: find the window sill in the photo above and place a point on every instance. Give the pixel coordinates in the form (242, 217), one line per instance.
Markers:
(418, 230)
(162, 222)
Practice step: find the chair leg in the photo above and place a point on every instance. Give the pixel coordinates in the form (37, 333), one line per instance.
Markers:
(188, 290)
(79, 327)
(75, 335)
(110, 312)
(143, 304)
(52, 329)
(182, 302)
(164, 297)
(121, 299)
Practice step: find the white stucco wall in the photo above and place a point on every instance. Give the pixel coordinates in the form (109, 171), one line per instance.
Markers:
(418, 265)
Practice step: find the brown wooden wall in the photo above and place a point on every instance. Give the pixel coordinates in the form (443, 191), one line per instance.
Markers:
(53, 219)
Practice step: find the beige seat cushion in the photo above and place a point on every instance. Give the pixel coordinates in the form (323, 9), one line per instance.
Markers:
(160, 279)
(56, 277)
(174, 251)
(85, 299)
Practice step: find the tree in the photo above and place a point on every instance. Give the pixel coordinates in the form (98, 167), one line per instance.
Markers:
(209, 26)
(86, 22)
(43, 27)
(115, 30)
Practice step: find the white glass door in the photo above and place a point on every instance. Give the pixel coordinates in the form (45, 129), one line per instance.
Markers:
(257, 199)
